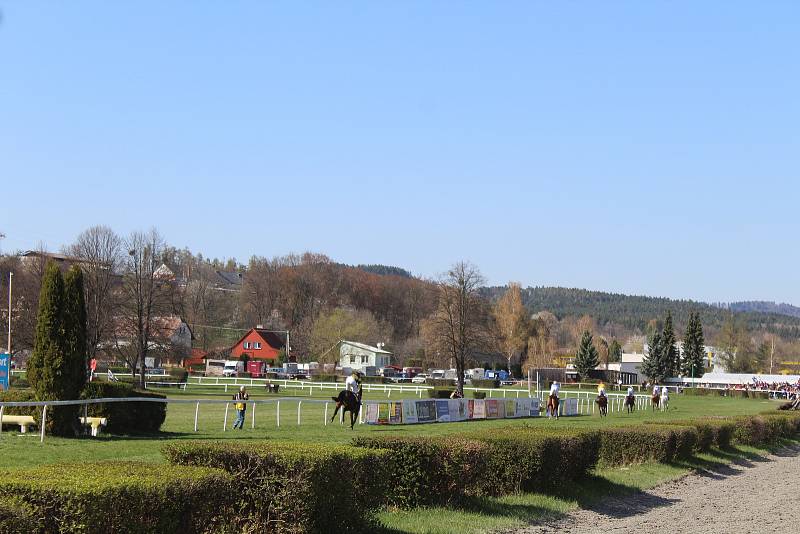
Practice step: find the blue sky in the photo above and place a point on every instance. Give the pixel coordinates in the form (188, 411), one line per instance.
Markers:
(638, 147)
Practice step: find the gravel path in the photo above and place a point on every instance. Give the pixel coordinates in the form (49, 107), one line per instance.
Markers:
(747, 496)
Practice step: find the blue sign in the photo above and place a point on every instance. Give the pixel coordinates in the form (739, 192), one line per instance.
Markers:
(5, 371)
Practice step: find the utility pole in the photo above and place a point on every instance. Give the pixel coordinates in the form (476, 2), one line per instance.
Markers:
(772, 355)
(10, 275)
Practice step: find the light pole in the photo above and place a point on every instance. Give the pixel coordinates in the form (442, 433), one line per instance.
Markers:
(10, 275)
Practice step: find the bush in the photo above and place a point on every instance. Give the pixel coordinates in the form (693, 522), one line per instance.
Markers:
(178, 374)
(478, 394)
(440, 382)
(711, 431)
(19, 382)
(439, 392)
(125, 417)
(19, 395)
(291, 487)
(630, 445)
(117, 498)
(432, 470)
(485, 383)
(16, 517)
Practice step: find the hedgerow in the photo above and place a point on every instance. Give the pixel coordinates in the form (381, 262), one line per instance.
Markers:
(19, 395)
(16, 517)
(631, 445)
(288, 487)
(116, 498)
(125, 417)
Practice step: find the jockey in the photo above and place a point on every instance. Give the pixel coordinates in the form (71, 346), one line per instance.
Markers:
(353, 384)
(664, 392)
(601, 390)
(630, 391)
(554, 389)
(655, 390)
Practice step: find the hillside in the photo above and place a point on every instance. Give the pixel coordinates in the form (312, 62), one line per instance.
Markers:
(634, 312)
(762, 306)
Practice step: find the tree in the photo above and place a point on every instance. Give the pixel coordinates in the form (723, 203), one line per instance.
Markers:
(737, 348)
(49, 366)
(615, 351)
(147, 298)
(77, 361)
(511, 322)
(693, 347)
(457, 328)
(670, 354)
(99, 250)
(340, 323)
(653, 365)
(586, 359)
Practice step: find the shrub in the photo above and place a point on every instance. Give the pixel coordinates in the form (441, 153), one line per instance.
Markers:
(125, 417)
(19, 395)
(291, 487)
(19, 382)
(485, 383)
(440, 382)
(711, 431)
(117, 498)
(440, 392)
(629, 445)
(178, 374)
(433, 470)
(16, 517)
(478, 394)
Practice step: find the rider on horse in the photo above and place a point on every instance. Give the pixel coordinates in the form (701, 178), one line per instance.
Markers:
(353, 385)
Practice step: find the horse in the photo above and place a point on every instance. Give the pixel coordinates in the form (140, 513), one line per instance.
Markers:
(654, 400)
(349, 402)
(664, 402)
(630, 403)
(602, 404)
(552, 406)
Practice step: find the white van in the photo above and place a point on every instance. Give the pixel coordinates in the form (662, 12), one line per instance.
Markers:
(232, 368)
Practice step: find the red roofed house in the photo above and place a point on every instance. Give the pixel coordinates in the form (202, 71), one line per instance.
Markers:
(258, 344)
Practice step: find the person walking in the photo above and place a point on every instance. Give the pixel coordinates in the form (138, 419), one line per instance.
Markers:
(241, 399)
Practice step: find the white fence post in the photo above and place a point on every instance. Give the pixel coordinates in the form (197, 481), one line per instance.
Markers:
(299, 405)
(225, 421)
(278, 414)
(1, 419)
(196, 413)
(253, 425)
(44, 421)
(326, 414)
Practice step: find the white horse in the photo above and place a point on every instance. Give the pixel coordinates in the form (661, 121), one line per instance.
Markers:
(664, 401)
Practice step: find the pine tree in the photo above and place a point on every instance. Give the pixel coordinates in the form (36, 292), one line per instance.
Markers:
(653, 364)
(670, 354)
(586, 358)
(615, 351)
(75, 332)
(693, 347)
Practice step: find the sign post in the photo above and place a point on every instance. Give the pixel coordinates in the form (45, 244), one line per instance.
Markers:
(5, 372)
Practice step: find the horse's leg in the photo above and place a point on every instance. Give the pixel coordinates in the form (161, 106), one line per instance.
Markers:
(338, 405)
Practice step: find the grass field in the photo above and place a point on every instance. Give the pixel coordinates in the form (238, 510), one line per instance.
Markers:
(479, 515)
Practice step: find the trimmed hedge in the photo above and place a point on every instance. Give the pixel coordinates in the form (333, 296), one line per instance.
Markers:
(711, 431)
(16, 517)
(440, 382)
(19, 395)
(478, 394)
(116, 498)
(485, 383)
(631, 445)
(734, 393)
(439, 392)
(291, 487)
(125, 417)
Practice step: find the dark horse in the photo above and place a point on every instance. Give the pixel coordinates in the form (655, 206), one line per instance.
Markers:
(654, 400)
(630, 403)
(602, 404)
(552, 406)
(349, 402)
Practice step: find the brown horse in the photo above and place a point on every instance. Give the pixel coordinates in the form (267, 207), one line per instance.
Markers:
(630, 403)
(552, 406)
(602, 404)
(654, 400)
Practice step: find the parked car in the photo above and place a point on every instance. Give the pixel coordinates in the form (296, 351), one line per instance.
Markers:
(419, 379)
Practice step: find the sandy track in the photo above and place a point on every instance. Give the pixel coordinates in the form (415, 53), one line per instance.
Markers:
(747, 496)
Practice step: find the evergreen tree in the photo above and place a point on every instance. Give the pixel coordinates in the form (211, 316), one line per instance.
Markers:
(49, 369)
(670, 354)
(653, 364)
(615, 351)
(75, 332)
(693, 348)
(586, 358)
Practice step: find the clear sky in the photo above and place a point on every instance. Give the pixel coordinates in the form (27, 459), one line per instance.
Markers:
(638, 147)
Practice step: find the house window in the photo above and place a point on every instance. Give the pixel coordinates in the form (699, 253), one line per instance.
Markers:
(256, 345)
(352, 358)
(363, 359)
(246, 344)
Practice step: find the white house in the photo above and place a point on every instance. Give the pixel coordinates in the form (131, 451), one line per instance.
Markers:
(358, 356)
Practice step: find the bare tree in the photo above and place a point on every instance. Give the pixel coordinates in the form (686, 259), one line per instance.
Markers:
(458, 326)
(261, 291)
(99, 251)
(147, 298)
(511, 322)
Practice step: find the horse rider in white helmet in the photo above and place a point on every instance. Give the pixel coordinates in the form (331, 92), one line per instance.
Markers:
(353, 385)
(554, 387)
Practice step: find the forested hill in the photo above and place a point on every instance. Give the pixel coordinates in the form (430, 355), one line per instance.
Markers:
(634, 312)
(761, 306)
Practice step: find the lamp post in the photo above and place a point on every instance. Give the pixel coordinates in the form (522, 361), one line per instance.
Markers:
(10, 275)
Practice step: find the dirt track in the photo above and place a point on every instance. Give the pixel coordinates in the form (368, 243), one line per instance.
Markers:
(747, 496)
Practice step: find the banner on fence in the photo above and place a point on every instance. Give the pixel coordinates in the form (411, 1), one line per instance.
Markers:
(535, 406)
(426, 411)
(409, 411)
(477, 409)
(395, 413)
(458, 409)
(371, 414)
(5, 372)
(570, 407)
(443, 411)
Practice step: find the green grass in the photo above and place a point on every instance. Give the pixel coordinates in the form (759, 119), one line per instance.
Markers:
(515, 511)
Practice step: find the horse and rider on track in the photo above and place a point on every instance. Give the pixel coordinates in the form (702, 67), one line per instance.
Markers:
(630, 400)
(602, 400)
(553, 401)
(349, 399)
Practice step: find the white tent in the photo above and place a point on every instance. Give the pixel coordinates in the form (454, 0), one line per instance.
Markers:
(724, 379)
